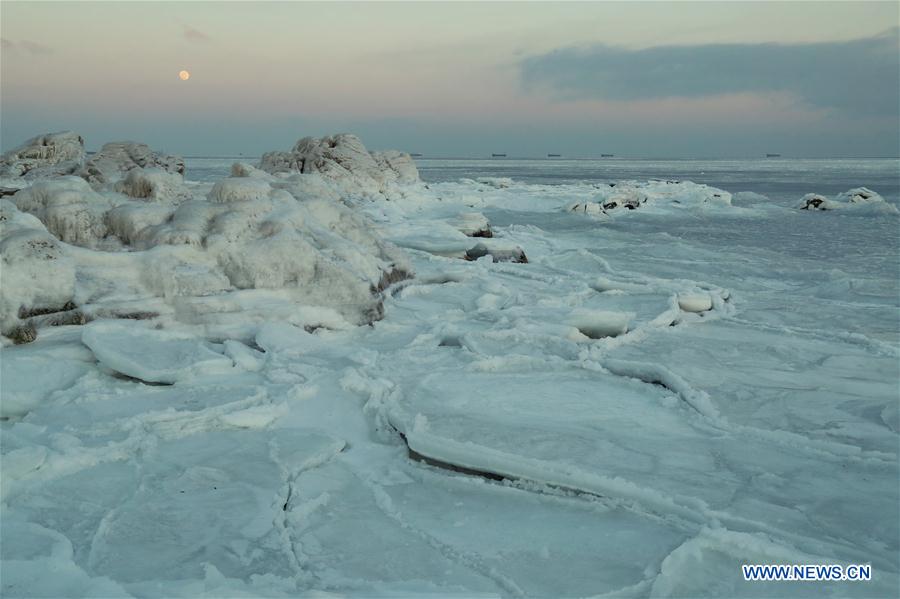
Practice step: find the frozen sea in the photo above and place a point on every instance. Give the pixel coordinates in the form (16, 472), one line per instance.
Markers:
(584, 431)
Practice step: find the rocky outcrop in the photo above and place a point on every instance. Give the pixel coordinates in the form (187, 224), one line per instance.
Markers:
(116, 159)
(47, 155)
(68, 208)
(38, 273)
(202, 254)
(344, 160)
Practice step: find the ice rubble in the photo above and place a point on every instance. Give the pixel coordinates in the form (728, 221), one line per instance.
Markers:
(46, 155)
(151, 237)
(631, 195)
(345, 161)
(860, 199)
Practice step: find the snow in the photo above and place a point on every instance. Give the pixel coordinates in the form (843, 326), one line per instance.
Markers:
(638, 410)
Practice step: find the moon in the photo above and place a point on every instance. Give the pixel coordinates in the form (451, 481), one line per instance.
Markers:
(184, 75)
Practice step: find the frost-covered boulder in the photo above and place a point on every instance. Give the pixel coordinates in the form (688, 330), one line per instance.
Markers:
(38, 273)
(153, 184)
(632, 195)
(815, 201)
(345, 161)
(116, 159)
(861, 199)
(68, 207)
(47, 155)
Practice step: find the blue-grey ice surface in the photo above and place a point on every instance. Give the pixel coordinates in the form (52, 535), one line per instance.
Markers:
(650, 463)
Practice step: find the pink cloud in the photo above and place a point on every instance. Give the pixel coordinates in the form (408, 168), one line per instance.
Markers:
(195, 35)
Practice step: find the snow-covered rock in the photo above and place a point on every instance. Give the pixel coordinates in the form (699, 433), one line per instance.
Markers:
(249, 234)
(695, 302)
(498, 254)
(47, 155)
(859, 198)
(496, 182)
(153, 184)
(344, 160)
(69, 208)
(473, 224)
(632, 195)
(116, 159)
(596, 324)
(37, 271)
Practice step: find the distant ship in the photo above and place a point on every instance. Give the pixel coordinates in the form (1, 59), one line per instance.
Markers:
(773, 155)
(553, 155)
(606, 155)
(415, 155)
(498, 155)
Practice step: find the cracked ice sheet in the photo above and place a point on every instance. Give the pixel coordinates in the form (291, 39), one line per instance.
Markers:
(208, 498)
(97, 446)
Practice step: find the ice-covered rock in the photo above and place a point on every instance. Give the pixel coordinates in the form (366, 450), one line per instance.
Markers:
(498, 254)
(695, 302)
(69, 208)
(858, 198)
(37, 271)
(344, 160)
(596, 324)
(632, 195)
(814, 201)
(859, 195)
(153, 184)
(473, 224)
(249, 234)
(496, 182)
(47, 155)
(116, 159)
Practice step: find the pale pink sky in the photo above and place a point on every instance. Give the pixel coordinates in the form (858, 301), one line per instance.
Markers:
(427, 75)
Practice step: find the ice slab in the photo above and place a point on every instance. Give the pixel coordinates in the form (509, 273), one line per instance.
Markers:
(152, 355)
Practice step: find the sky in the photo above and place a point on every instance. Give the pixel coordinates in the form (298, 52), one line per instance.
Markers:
(641, 79)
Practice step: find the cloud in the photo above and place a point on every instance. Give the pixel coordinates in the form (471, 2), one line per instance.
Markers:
(195, 35)
(859, 76)
(33, 48)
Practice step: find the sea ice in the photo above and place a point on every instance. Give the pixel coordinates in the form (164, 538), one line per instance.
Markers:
(151, 355)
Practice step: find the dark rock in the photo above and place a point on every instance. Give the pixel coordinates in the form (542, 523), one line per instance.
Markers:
(516, 255)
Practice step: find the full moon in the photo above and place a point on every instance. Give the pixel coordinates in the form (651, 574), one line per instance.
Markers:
(184, 75)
